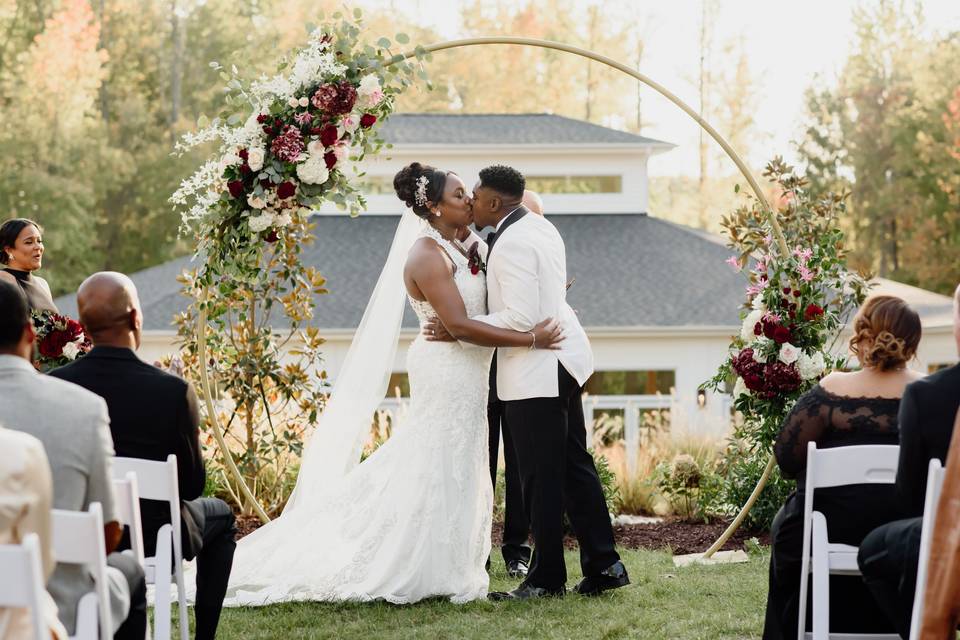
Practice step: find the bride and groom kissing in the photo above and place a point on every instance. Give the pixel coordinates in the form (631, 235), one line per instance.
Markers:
(413, 521)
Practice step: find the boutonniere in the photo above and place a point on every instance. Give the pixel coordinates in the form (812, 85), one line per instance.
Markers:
(474, 261)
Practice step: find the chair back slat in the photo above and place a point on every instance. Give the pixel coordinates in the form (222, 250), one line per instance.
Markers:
(858, 464)
(153, 477)
(127, 493)
(78, 539)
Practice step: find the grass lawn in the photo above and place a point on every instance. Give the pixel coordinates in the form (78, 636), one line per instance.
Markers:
(723, 601)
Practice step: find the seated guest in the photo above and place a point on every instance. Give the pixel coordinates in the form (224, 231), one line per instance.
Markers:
(889, 555)
(154, 414)
(21, 253)
(26, 495)
(73, 426)
(844, 409)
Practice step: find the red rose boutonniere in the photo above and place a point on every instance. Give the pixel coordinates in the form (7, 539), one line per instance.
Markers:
(474, 260)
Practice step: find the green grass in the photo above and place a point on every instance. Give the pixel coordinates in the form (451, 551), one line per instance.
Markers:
(721, 601)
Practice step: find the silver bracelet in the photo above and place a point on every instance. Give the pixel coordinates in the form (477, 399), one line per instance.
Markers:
(533, 344)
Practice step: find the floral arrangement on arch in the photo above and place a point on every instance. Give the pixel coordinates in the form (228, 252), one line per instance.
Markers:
(285, 145)
(795, 306)
(60, 340)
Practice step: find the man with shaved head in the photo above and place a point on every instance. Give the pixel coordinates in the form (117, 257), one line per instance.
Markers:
(154, 414)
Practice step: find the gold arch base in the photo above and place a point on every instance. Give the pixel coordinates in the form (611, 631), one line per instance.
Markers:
(584, 53)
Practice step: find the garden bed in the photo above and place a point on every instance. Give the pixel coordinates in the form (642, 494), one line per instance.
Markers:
(671, 534)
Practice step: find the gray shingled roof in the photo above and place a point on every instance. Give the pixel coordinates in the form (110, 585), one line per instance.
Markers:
(631, 270)
(526, 128)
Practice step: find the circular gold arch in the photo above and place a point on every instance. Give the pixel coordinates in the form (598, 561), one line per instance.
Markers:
(584, 53)
(669, 95)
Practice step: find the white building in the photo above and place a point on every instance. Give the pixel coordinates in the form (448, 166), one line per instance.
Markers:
(655, 297)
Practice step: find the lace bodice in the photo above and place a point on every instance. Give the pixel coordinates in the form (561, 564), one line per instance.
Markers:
(831, 420)
(473, 288)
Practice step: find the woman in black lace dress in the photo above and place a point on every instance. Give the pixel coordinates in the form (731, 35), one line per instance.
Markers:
(844, 409)
(21, 253)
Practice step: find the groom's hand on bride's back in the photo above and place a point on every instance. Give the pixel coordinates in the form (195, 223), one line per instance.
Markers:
(436, 332)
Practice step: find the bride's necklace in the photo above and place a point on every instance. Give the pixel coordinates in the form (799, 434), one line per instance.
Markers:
(434, 233)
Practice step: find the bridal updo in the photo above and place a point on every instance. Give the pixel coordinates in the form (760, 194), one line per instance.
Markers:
(408, 181)
(886, 333)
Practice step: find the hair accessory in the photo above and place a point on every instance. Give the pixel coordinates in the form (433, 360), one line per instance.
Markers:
(421, 193)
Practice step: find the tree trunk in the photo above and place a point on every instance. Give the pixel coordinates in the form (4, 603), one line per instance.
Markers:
(176, 65)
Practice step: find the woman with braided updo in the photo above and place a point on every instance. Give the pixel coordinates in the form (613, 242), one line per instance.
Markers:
(845, 409)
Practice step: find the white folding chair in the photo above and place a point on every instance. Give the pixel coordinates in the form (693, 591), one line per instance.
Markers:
(158, 481)
(22, 584)
(78, 539)
(934, 486)
(861, 464)
(127, 495)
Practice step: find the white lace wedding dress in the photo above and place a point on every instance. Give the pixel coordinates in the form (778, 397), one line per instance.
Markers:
(413, 520)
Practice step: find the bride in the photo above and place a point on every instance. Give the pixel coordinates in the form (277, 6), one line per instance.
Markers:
(412, 521)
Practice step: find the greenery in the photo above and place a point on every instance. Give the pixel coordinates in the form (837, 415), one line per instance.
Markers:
(796, 304)
(663, 602)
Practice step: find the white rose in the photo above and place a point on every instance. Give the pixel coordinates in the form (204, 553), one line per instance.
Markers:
(368, 84)
(811, 366)
(260, 223)
(282, 220)
(71, 349)
(746, 331)
(256, 202)
(740, 389)
(788, 353)
(293, 102)
(349, 123)
(255, 156)
(315, 148)
(304, 101)
(313, 171)
(229, 160)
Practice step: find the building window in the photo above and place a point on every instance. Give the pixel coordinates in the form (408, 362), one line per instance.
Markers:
(575, 184)
(631, 383)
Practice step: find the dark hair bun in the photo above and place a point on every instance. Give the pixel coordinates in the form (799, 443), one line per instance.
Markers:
(886, 333)
(407, 181)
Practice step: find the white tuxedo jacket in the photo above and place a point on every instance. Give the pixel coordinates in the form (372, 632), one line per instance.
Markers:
(526, 283)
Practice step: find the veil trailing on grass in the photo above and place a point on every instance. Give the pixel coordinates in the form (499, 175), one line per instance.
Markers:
(361, 384)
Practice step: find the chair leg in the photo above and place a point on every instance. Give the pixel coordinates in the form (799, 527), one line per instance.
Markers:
(821, 578)
(182, 600)
(161, 583)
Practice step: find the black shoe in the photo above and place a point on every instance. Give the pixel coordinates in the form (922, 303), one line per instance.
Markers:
(613, 577)
(525, 592)
(517, 569)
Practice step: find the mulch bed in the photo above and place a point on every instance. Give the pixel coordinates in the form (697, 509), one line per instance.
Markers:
(672, 535)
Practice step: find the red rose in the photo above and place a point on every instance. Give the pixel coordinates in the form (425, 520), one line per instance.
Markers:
(285, 190)
(812, 311)
(328, 135)
(236, 188)
(330, 159)
(244, 155)
(781, 335)
(265, 183)
(367, 120)
(262, 118)
(272, 236)
(757, 329)
(245, 169)
(474, 268)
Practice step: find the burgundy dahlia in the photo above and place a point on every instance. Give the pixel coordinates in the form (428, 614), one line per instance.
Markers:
(335, 99)
(288, 145)
(781, 378)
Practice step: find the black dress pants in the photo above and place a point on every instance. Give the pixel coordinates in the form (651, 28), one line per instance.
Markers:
(516, 527)
(557, 473)
(888, 560)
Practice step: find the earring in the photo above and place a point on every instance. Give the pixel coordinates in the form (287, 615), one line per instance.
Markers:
(437, 213)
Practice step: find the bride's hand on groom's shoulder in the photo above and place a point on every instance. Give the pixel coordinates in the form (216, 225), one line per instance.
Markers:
(436, 332)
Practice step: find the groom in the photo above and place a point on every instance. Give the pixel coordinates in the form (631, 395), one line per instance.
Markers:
(540, 390)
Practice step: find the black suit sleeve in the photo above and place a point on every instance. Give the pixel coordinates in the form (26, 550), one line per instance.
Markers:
(193, 475)
(911, 485)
